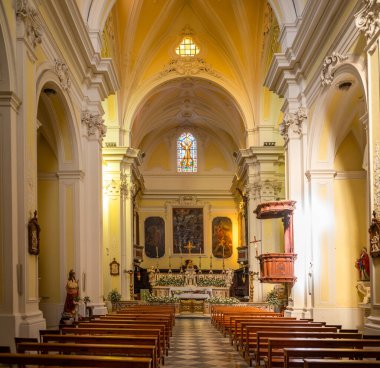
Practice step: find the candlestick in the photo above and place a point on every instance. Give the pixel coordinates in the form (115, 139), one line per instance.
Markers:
(200, 260)
(156, 252)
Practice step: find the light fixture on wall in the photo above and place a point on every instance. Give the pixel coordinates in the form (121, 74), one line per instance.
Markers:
(49, 91)
(345, 85)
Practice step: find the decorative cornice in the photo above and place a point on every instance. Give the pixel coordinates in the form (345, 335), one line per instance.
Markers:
(94, 124)
(330, 64)
(294, 121)
(368, 19)
(30, 17)
(188, 66)
(62, 71)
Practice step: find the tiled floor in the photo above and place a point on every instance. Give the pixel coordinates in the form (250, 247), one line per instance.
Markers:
(196, 343)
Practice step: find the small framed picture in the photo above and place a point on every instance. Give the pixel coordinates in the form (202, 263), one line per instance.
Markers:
(114, 268)
(34, 235)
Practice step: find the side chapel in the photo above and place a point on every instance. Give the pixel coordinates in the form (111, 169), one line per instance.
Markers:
(140, 135)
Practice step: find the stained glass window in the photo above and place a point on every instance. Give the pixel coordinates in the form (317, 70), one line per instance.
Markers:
(186, 153)
(187, 47)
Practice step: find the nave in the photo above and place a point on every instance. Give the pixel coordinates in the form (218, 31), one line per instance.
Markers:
(196, 343)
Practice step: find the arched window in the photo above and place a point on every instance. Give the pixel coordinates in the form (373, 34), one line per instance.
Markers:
(186, 153)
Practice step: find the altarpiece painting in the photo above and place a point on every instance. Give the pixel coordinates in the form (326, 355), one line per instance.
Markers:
(188, 229)
(221, 237)
(154, 237)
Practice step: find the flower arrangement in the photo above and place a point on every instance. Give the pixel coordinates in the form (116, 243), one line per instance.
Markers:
(218, 300)
(86, 300)
(77, 299)
(272, 298)
(114, 296)
(211, 281)
(170, 281)
(161, 299)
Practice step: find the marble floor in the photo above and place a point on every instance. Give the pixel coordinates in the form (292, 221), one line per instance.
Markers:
(196, 343)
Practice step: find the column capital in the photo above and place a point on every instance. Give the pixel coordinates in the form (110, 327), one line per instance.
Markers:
(320, 174)
(31, 20)
(94, 124)
(291, 126)
(367, 19)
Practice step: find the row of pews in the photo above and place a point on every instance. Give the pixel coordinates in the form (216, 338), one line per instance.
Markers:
(138, 337)
(272, 340)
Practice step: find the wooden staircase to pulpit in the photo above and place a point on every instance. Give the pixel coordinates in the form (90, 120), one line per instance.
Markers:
(278, 267)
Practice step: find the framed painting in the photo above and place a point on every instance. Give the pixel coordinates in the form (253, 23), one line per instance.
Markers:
(222, 237)
(114, 268)
(154, 228)
(188, 230)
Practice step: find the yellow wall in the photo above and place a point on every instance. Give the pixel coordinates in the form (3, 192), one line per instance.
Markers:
(350, 219)
(48, 209)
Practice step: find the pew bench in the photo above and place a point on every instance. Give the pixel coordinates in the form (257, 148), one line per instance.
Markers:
(332, 363)
(276, 346)
(294, 357)
(145, 351)
(58, 360)
(107, 339)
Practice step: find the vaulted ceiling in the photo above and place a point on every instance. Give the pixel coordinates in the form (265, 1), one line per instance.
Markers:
(220, 93)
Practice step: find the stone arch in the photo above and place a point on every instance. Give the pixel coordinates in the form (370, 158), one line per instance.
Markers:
(338, 192)
(242, 106)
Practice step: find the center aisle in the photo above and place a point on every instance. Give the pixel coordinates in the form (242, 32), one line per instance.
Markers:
(196, 343)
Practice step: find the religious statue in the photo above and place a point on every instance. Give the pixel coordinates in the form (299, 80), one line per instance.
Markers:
(190, 273)
(72, 289)
(362, 264)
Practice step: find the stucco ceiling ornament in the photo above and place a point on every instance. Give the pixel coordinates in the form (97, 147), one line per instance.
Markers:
(94, 124)
(330, 64)
(188, 66)
(33, 27)
(293, 121)
(368, 19)
(63, 74)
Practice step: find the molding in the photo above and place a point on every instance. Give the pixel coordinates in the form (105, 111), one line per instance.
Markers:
(32, 22)
(188, 66)
(94, 124)
(351, 175)
(320, 174)
(71, 174)
(62, 71)
(10, 99)
(293, 121)
(330, 65)
(367, 19)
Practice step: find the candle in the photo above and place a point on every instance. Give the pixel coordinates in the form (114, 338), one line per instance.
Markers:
(157, 252)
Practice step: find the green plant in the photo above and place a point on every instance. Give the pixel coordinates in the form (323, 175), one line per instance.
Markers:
(273, 298)
(86, 299)
(77, 299)
(114, 296)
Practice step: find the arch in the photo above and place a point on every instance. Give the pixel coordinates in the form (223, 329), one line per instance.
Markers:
(66, 131)
(95, 13)
(286, 11)
(242, 106)
(8, 81)
(345, 72)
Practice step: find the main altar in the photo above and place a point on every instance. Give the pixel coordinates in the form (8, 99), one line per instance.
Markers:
(192, 288)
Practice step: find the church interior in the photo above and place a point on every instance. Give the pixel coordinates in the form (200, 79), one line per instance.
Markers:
(151, 145)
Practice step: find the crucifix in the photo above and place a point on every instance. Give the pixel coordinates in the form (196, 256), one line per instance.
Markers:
(255, 241)
(189, 246)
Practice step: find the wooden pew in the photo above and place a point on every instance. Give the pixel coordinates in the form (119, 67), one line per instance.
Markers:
(58, 360)
(276, 345)
(294, 357)
(330, 363)
(250, 340)
(145, 351)
(107, 339)
(164, 333)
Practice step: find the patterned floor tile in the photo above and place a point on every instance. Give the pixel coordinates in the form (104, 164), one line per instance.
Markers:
(196, 343)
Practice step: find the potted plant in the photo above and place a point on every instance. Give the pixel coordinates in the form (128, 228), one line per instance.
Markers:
(114, 297)
(274, 300)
